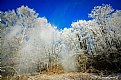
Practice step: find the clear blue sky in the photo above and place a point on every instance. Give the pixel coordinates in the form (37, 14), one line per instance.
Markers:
(60, 12)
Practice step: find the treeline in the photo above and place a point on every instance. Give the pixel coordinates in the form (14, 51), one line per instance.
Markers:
(28, 40)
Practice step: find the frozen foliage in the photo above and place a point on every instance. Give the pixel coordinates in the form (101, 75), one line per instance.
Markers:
(28, 41)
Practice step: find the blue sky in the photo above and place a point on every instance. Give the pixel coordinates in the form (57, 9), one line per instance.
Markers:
(60, 12)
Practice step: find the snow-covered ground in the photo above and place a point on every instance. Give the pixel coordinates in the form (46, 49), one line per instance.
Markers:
(65, 76)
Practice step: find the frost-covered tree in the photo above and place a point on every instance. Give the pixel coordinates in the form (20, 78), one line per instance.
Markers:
(100, 37)
(28, 40)
(85, 31)
(14, 25)
(69, 48)
(108, 42)
(42, 47)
